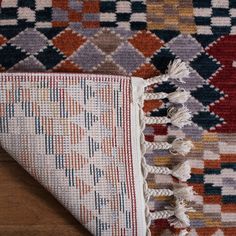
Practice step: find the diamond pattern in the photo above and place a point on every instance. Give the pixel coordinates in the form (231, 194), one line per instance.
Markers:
(67, 66)
(207, 120)
(30, 40)
(109, 67)
(7, 59)
(183, 43)
(30, 62)
(194, 80)
(205, 65)
(146, 43)
(75, 41)
(49, 57)
(162, 59)
(128, 57)
(88, 56)
(107, 41)
(207, 94)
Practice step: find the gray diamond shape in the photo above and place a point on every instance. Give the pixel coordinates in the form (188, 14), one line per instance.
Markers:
(88, 56)
(185, 47)
(192, 81)
(127, 57)
(30, 40)
(30, 64)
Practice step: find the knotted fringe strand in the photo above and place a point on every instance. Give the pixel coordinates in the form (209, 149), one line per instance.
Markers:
(180, 96)
(183, 232)
(178, 117)
(175, 70)
(176, 215)
(181, 193)
(180, 171)
(178, 146)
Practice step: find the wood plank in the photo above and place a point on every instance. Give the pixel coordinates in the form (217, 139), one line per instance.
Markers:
(26, 208)
(4, 156)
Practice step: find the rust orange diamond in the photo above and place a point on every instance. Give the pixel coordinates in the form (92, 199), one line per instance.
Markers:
(146, 42)
(68, 42)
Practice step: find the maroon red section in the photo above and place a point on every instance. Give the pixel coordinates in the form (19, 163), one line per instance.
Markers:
(224, 50)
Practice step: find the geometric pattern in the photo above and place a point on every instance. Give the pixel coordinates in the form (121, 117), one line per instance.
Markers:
(224, 51)
(115, 52)
(213, 178)
(27, 13)
(128, 14)
(76, 13)
(25, 42)
(171, 15)
(72, 133)
(215, 17)
(139, 39)
(86, 53)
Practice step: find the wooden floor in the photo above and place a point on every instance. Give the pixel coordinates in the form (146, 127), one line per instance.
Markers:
(26, 208)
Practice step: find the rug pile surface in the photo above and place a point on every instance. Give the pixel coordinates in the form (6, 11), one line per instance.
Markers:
(139, 38)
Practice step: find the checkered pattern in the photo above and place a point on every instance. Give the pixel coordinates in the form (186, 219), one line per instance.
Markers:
(26, 13)
(124, 14)
(80, 14)
(171, 15)
(215, 17)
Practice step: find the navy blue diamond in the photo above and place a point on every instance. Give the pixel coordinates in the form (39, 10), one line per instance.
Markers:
(207, 94)
(50, 57)
(204, 65)
(205, 40)
(162, 59)
(206, 119)
(165, 87)
(51, 32)
(166, 35)
(10, 31)
(10, 55)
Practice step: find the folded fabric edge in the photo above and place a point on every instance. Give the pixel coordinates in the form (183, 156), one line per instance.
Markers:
(138, 86)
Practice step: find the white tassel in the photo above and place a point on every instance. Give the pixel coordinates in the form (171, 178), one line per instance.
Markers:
(175, 70)
(176, 215)
(180, 219)
(183, 232)
(179, 96)
(182, 171)
(181, 193)
(178, 70)
(179, 146)
(179, 116)
(184, 193)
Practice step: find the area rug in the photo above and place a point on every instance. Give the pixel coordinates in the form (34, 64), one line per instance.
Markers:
(139, 39)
